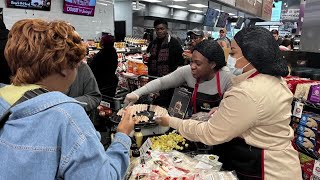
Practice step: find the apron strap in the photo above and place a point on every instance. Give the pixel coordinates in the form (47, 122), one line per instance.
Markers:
(218, 83)
(253, 75)
(194, 96)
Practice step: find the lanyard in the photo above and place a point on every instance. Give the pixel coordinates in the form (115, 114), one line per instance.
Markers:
(195, 91)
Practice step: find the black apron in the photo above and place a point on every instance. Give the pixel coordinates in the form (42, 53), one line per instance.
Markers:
(201, 102)
(247, 161)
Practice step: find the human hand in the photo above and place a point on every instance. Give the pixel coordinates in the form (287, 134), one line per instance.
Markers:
(187, 55)
(126, 124)
(130, 99)
(163, 120)
(213, 110)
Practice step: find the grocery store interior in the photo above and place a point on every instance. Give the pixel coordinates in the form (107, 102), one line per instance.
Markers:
(161, 89)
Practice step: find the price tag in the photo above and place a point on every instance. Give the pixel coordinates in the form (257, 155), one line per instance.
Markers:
(105, 104)
(297, 110)
(145, 147)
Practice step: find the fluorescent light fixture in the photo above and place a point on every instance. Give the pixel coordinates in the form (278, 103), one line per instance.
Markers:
(195, 11)
(104, 4)
(177, 6)
(198, 5)
(152, 1)
(180, 0)
(231, 14)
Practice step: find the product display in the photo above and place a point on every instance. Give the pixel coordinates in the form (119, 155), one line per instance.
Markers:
(143, 113)
(168, 142)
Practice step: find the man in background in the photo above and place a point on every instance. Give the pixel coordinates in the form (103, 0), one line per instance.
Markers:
(85, 88)
(166, 52)
(224, 42)
(165, 57)
(194, 38)
(275, 34)
(5, 72)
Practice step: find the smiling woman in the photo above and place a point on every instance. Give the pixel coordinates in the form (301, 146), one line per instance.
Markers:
(205, 77)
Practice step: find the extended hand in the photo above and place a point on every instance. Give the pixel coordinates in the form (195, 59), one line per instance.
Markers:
(213, 110)
(163, 120)
(131, 98)
(126, 124)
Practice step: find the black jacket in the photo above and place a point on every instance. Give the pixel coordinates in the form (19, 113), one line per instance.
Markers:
(5, 72)
(104, 66)
(175, 58)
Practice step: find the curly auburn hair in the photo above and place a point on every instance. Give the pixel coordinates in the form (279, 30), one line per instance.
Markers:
(37, 49)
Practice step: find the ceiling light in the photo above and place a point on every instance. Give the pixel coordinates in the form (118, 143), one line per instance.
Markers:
(152, 1)
(177, 6)
(198, 5)
(195, 11)
(180, 0)
(231, 14)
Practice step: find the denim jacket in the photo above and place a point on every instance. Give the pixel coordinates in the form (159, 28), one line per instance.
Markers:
(51, 137)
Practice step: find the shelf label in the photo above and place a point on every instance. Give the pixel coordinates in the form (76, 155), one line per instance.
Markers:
(297, 110)
(145, 147)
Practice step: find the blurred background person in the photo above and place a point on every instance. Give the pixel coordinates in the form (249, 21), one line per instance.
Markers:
(166, 51)
(224, 42)
(85, 88)
(165, 57)
(104, 66)
(286, 45)
(55, 128)
(5, 72)
(194, 38)
(275, 34)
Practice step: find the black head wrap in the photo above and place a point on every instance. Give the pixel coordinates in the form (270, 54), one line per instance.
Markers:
(260, 48)
(212, 51)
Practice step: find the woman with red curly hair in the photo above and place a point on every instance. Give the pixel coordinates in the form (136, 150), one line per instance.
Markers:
(50, 136)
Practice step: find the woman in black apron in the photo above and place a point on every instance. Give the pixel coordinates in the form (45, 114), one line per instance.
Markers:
(201, 102)
(204, 78)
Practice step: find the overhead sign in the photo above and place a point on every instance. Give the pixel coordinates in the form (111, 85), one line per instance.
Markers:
(30, 4)
(276, 11)
(290, 14)
(79, 7)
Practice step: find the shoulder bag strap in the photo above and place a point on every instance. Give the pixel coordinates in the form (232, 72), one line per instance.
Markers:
(26, 96)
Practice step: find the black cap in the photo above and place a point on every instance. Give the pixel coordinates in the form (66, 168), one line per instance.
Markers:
(197, 33)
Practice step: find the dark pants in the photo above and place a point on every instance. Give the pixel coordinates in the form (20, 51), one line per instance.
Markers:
(238, 156)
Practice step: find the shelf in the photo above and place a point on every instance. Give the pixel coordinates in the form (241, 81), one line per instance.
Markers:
(309, 104)
(308, 153)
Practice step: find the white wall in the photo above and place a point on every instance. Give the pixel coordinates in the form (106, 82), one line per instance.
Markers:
(123, 12)
(88, 27)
